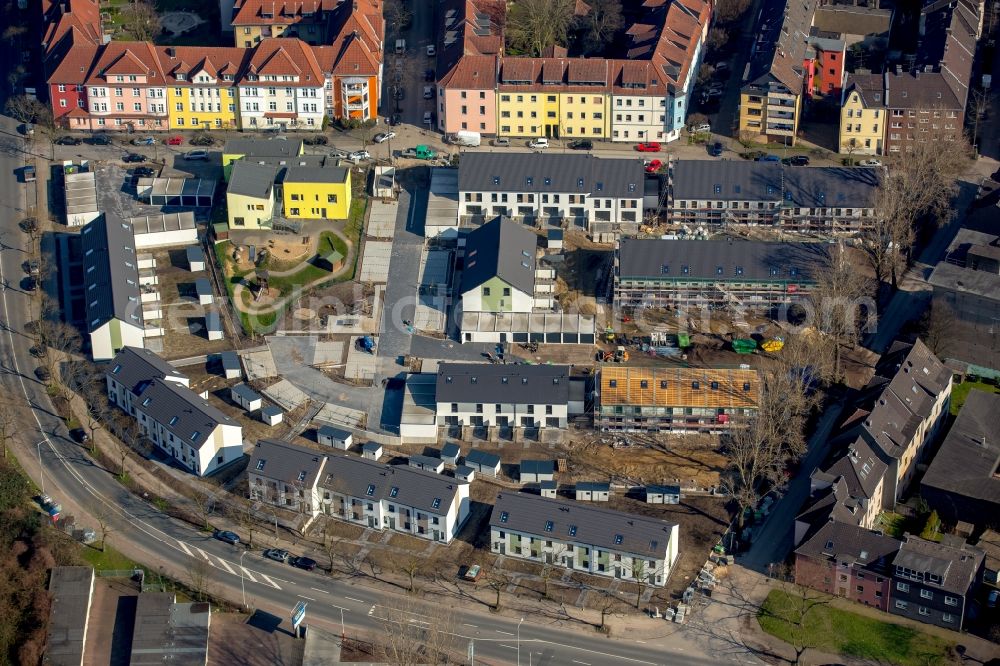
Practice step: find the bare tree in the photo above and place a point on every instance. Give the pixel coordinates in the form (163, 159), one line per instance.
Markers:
(104, 526)
(8, 425)
(414, 634)
(240, 510)
(936, 327)
(330, 541)
(534, 25)
(601, 23)
(396, 14)
(498, 580)
(25, 108)
(140, 19)
(731, 10)
(126, 440)
(204, 504)
(609, 604)
(412, 565)
(199, 577)
(551, 567)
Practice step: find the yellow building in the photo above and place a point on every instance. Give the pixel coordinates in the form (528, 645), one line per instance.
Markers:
(862, 115)
(585, 115)
(250, 196)
(524, 114)
(273, 151)
(316, 193)
(201, 86)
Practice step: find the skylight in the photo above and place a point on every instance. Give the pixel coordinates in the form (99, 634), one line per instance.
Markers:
(549, 525)
(503, 516)
(302, 475)
(572, 530)
(371, 490)
(393, 491)
(618, 539)
(261, 463)
(436, 504)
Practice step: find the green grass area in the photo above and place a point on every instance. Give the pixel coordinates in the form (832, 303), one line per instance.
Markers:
(961, 391)
(109, 559)
(829, 629)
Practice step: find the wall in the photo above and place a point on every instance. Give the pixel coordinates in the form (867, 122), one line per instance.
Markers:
(239, 205)
(314, 202)
(480, 115)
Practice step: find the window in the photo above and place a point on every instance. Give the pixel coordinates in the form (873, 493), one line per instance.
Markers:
(926, 594)
(947, 617)
(618, 539)
(486, 291)
(923, 611)
(260, 464)
(901, 605)
(302, 476)
(902, 587)
(436, 504)
(951, 601)
(572, 530)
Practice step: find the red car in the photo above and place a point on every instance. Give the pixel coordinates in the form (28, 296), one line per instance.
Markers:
(654, 166)
(648, 147)
(175, 141)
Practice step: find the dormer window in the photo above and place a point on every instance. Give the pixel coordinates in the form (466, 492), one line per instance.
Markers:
(181, 76)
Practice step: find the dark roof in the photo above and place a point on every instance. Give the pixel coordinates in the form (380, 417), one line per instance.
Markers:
(336, 433)
(169, 632)
(230, 360)
(852, 20)
(251, 179)
(949, 30)
(551, 172)
(425, 460)
(502, 249)
(850, 544)
(71, 589)
(482, 459)
(288, 463)
(245, 392)
(781, 29)
(919, 90)
(860, 467)
(966, 463)
(594, 486)
(832, 503)
(538, 467)
(597, 527)
(196, 419)
(451, 450)
(548, 484)
(371, 446)
(350, 475)
(821, 187)
(270, 410)
(213, 321)
(263, 147)
(132, 366)
(110, 273)
(957, 566)
(868, 86)
(958, 271)
(326, 174)
(486, 383)
(665, 490)
(194, 253)
(739, 259)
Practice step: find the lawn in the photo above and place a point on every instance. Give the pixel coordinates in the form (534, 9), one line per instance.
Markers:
(961, 391)
(109, 559)
(833, 630)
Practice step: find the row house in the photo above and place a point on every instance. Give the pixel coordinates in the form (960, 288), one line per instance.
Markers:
(282, 86)
(934, 582)
(634, 399)
(862, 115)
(499, 269)
(502, 396)
(594, 194)
(351, 60)
(394, 497)
(201, 85)
(814, 200)
(287, 476)
(132, 366)
(756, 275)
(254, 21)
(584, 538)
(772, 96)
(126, 88)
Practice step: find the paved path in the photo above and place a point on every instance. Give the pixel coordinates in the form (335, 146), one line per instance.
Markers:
(292, 354)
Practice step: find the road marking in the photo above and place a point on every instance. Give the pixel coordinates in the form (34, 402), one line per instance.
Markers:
(465, 624)
(581, 662)
(227, 567)
(185, 548)
(505, 633)
(302, 596)
(643, 642)
(418, 621)
(371, 611)
(203, 553)
(319, 590)
(353, 599)
(270, 582)
(246, 572)
(507, 646)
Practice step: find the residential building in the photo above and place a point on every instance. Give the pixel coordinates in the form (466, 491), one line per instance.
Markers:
(933, 582)
(862, 115)
(201, 85)
(282, 86)
(757, 275)
(250, 200)
(394, 497)
(865, 24)
(499, 269)
(963, 480)
(257, 20)
(502, 396)
(584, 538)
(583, 191)
(467, 96)
(824, 61)
(900, 412)
(316, 193)
(848, 561)
(126, 89)
(674, 399)
(130, 369)
(351, 60)
(122, 305)
(825, 201)
(966, 287)
(67, 79)
(286, 475)
(771, 99)
(274, 152)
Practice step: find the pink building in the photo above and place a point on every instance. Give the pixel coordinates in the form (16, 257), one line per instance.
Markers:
(126, 89)
(466, 96)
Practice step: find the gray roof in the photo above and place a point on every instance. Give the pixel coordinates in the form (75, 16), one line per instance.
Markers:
(502, 249)
(482, 459)
(665, 490)
(307, 174)
(852, 20)
(551, 172)
(71, 589)
(463, 470)
(738, 259)
(920, 90)
(538, 467)
(822, 187)
(451, 450)
(288, 463)
(371, 446)
(593, 486)
(213, 321)
(169, 632)
(487, 383)
(956, 273)
(957, 567)
(230, 360)
(110, 273)
(245, 392)
(203, 286)
(417, 488)
(195, 418)
(850, 543)
(194, 253)
(597, 527)
(163, 222)
(425, 460)
(263, 147)
(252, 180)
(860, 467)
(270, 410)
(548, 484)
(336, 433)
(132, 366)
(966, 463)
(781, 30)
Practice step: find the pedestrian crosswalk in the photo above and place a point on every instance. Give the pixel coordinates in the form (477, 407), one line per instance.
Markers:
(234, 569)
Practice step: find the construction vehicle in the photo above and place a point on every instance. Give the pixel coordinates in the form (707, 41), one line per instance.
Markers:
(366, 344)
(773, 345)
(420, 152)
(744, 345)
(621, 355)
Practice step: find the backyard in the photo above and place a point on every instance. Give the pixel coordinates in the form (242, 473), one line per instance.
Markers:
(803, 620)
(961, 391)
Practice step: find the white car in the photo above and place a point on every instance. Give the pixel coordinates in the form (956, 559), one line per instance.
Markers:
(428, 92)
(870, 163)
(696, 129)
(382, 137)
(428, 118)
(431, 51)
(359, 156)
(539, 143)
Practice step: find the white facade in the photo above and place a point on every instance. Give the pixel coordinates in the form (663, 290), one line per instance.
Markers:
(222, 446)
(503, 414)
(513, 299)
(266, 104)
(637, 118)
(106, 340)
(580, 210)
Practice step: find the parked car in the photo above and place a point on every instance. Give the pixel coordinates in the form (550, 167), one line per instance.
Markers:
(382, 137)
(431, 51)
(428, 92)
(175, 141)
(428, 118)
(796, 160)
(648, 147)
(306, 563)
(315, 140)
(698, 129)
(133, 158)
(143, 172)
(870, 163)
(43, 373)
(144, 141)
(473, 573)
(767, 157)
(228, 537)
(196, 155)
(79, 435)
(715, 150)
(276, 554)
(337, 152)
(100, 140)
(654, 166)
(501, 142)
(429, 75)
(359, 156)
(538, 144)
(30, 266)
(581, 144)
(202, 140)
(69, 141)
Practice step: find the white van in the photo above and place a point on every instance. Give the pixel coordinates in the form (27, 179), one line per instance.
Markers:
(539, 143)
(464, 138)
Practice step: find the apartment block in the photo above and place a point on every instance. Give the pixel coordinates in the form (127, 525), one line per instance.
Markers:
(287, 476)
(503, 396)
(934, 582)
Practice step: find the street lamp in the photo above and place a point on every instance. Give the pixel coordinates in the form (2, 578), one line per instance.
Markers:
(519, 641)
(242, 584)
(41, 468)
(343, 628)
